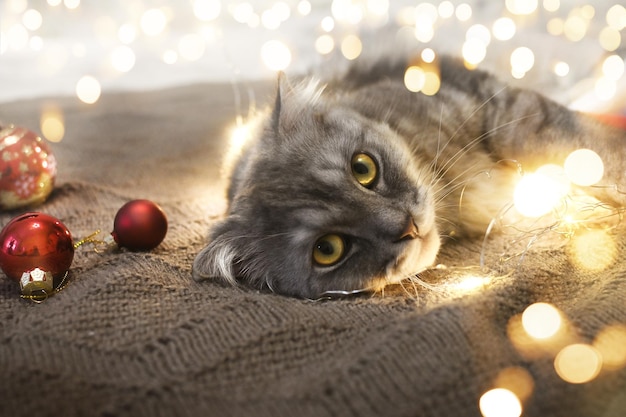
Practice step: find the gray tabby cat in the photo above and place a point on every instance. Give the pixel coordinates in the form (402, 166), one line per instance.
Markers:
(349, 185)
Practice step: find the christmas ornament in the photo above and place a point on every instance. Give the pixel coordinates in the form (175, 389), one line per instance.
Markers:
(27, 168)
(139, 225)
(36, 250)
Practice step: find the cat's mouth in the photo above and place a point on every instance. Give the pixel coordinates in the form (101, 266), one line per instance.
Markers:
(416, 256)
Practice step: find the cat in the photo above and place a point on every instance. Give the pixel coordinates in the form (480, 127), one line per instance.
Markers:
(349, 183)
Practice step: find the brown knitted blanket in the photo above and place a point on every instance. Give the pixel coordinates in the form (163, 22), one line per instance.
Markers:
(133, 335)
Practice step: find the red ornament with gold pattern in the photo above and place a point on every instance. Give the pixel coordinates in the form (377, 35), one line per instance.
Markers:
(27, 168)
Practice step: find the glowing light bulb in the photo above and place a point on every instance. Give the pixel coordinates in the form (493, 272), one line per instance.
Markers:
(613, 67)
(414, 79)
(521, 7)
(324, 44)
(611, 344)
(584, 167)
(32, 19)
(504, 29)
(538, 193)
(207, 10)
(500, 402)
(275, 55)
(351, 47)
(561, 69)
(541, 320)
(52, 124)
(123, 58)
(463, 12)
(578, 363)
(522, 60)
(88, 89)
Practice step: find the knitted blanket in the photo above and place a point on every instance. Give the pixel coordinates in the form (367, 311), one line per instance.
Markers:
(133, 335)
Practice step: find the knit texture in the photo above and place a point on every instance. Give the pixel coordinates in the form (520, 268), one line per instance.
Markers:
(134, 335)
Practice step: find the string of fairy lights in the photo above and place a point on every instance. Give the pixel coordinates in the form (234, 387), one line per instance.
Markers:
(121, 38)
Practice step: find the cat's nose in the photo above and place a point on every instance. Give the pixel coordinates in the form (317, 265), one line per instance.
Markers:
(411, 231)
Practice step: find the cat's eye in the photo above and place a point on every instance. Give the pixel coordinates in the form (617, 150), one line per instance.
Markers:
(364, 169)
(328, 250)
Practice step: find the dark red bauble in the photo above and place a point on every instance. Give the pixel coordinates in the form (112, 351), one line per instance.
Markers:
(139, 225)
(35, 240)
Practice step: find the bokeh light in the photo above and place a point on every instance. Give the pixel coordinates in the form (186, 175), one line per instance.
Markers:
(522, 60)
(592, 250)
(613, 67)
(414, 79)
(538, 193)
(500, 402)
(351, 47)
(541, 320)
(52, 123)
(610, 342)
(610, 39)
(517, 380)
(521, 7)
(463, 12)
(32, 19)
(123, 58)
(275, 55)
(88, 89)
(324, 44)
(153, 22)
(207, 10)
(578, 363)
(504, 29)
(561, 69)
(584, 167)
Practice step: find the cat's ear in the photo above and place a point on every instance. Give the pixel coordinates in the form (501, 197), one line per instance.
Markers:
(219, 259)
(281, 92)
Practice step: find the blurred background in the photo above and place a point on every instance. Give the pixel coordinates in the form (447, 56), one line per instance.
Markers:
(572, 50)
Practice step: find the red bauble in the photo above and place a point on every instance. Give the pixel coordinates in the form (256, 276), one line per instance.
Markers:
(37, 245)
(27, 168)
(139, 225)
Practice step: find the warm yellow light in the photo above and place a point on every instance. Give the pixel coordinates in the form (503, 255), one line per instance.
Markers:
(424, 32)
(428, 55)
(500, 402)
(605, 89)
(616, 17)
(474, 51)
(536, 194)
(52, 124)
(469, 284)
(555, 26)
(611, 344)
(351, 47)
(414, 79)
(304, 7)
(561, 69)
(324, 44)
(153, 22)
(551, 5)
(503, 29)
(593, 250)
(123, 58)
(32, 19)
(613, 67)
(541, 320)
(584, 167)
(328, 24)
(275, 55)
(610, 39)
(170, 56)
(521, 7)
(445, 9)
(578, 363)
(127, 33)
(432, 83)
(517, 380)
(522, 59)
(575, 28)
(463, 12)
(191, 46)
(88, 89)
(207, 10)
